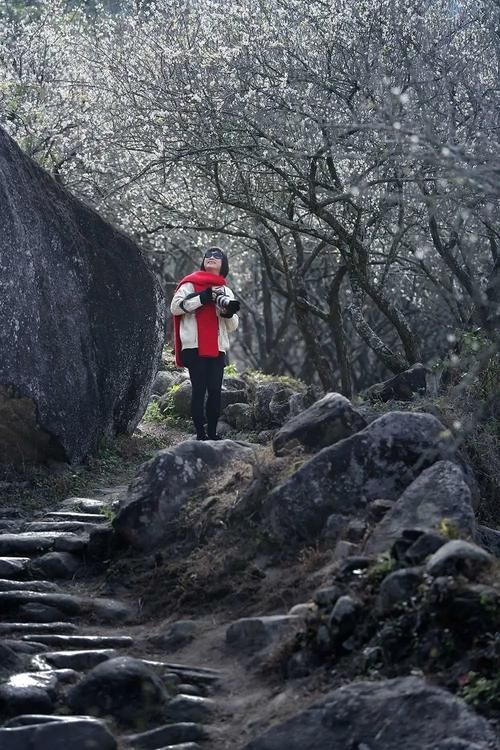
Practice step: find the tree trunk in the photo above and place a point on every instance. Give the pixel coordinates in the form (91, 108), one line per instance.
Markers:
(337, 326)
(394, 362)
(314, 353)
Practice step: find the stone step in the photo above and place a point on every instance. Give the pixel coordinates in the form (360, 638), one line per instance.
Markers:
(80, 641)
(44, 586)
(48, 680)
(24, 647)
(74, 732)
(68, 515)
(79, 660)
(7, 525)
(168, 735)
(35, 543)
(84, 504)
(104, 610)
(62, 526)
(14, 568)
(7, 628)
(188, 673)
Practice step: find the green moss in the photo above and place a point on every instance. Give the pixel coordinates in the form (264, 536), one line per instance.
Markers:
(481, 692)
(377, 572)
(261, 377)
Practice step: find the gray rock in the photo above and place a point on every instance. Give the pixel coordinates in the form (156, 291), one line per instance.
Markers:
(272, 404)
(101, 545)
(356, 530)
(393, 714)
(401, 386)
(148, 513)
(196, 675)
(81, 349)
(36, 542)
(105, 610)
(254, 633)
(425, 546)
(380, 461)
(234, 383)
(458, 558)
(124, 688)
(9, 660)
(168, 735)
(23, 699)
(47, 680)
(456, 744)
(24, 647)
(439, 494)
(343, 617)
(46, 586)
(77, 733)
(69, 515)
(327, 597)
(398, 588)
(489, 538)
(80, 641)
(329, 420)
(186, 689)
(90, 504)
(71, 526)
(163, 381)
(56, 565)
(189, 708)
(41, 613)
(230, 396)
(303, 609)
(78, 660)
(14, 567)
(239, 416)
(37, 628)
(178, 398)
(378, 508)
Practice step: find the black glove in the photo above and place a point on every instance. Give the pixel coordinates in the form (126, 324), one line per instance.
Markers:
(232, 307)
(206, 296)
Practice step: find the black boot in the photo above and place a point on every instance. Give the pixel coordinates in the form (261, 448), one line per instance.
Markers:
(212, 432)
(200, 433)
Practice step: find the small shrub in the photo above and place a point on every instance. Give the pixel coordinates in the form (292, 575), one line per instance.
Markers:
(153, 413)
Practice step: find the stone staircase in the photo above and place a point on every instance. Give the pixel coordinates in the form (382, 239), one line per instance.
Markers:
(55, 643)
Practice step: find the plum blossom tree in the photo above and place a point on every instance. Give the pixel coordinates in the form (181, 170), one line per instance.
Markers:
(346, 152)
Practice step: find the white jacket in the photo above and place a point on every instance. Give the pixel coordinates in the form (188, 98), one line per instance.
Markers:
(189, 326)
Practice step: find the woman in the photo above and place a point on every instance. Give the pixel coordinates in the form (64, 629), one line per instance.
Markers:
(204, 312)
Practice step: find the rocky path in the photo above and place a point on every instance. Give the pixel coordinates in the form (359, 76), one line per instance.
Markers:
(67, 673)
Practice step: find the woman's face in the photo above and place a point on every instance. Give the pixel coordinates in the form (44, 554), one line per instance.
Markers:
(212, 263)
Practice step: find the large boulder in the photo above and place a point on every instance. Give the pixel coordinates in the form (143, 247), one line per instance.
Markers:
(377, 462)
(400, 387)
(81, 320)
(440, 495)
(148, 513)
(123, 688)
(393, 714)
(271, 403)
(327, 421)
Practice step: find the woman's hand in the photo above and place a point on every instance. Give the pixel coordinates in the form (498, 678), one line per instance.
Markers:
(206, 296)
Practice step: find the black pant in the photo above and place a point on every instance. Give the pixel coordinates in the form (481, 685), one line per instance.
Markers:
(206, 375)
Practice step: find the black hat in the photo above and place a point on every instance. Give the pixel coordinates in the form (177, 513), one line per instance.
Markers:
(224, 269)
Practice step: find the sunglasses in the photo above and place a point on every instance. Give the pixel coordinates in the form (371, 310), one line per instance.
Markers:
(214, 254)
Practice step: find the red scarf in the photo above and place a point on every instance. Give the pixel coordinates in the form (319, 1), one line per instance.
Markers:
(206, 317)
